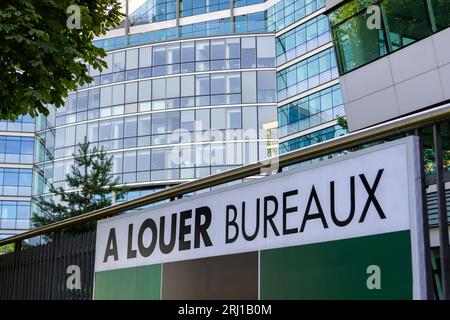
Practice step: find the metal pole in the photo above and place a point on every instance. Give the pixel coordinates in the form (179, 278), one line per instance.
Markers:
(127, 21)
(425, 227)
(54, 277)
(17, 249)
(443, 221)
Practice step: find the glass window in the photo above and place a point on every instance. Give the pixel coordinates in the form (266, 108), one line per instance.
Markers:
(233, 82)
(117, 162)
(118, 94)
(217, 49)
(159, 89)
(119, 61)
(105, 96)
(173, 53)
(187, 52)
(109, 64)
(233, 118)
(159, 55)
(407, 21)
(144, 125)
(187, 120)
(217, 83)
(132, 59)
(202, 119)
(358, 44)
(131, 92)
(104, 130)
(202, 50)
(145, 57)
(266, 51)
(81, 133)
(441, 13)
(266, 86)
(82, 101)
(248, 57)
(218, 118)
(130, 128)
(129, 160)
(70, 136)
(187, 86)
(248, 87)
(116, 129)
(94, 98)
(143, 160)
(202, 84)
(233, 48)
(145, 90)
(173, 87)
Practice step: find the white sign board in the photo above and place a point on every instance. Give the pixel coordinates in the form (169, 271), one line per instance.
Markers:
(368, 192)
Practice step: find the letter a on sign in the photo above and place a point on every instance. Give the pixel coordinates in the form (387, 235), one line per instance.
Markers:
(374, 280)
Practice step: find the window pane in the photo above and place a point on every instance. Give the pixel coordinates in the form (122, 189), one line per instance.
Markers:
(202, 50)
(145, 57)
(145, 90)
(187, 86)
(173, 87)
(407, 21)
(131, 92)
(249, 87)
(357, 44)
(132, 59)
(159, 89)
(119, 61)
(118, 94)
(202, 84)
(187, 52)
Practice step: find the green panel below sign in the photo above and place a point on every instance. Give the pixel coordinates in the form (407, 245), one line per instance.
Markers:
(137, 283)
(338, 269)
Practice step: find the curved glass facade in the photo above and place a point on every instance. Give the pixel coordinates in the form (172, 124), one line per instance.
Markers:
(169, 112)
(205, 86)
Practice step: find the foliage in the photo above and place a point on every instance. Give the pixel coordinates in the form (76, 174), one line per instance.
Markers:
(342, 121)
(7, 248)
(41, 58)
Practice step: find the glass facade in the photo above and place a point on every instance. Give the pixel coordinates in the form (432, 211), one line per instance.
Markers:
(286, 12)
(402, 23)
(188, 101)
(154, 11)
(169, 112)
(15, 215)
(308, 93)
(304, 38)
(15, 182)
(194, 7)
(15, 149)
(310, 111)
(307, 74)
(312, 138)
(22, 124)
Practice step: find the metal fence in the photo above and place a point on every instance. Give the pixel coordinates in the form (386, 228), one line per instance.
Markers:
(42, 272)
(60, 269)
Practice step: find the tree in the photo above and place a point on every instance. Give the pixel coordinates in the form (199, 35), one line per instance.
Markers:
(91, 187)
(44, 51)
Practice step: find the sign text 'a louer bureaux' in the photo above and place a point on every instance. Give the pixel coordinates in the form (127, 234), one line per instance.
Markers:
(365, 193)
